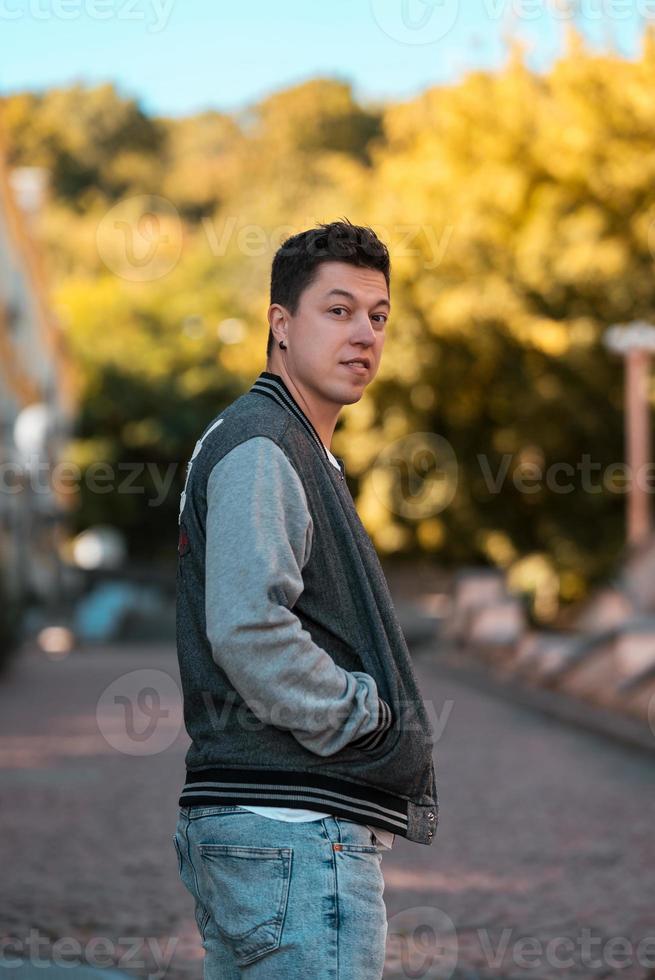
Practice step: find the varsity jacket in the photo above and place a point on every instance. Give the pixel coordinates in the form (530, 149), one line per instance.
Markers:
(297, 682)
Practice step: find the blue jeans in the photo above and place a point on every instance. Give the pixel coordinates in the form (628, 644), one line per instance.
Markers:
(283, 900)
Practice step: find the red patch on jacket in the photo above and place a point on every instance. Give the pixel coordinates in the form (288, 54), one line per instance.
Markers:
(183, 542)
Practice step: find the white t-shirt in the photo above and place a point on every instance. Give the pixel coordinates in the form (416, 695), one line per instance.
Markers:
(297, 815)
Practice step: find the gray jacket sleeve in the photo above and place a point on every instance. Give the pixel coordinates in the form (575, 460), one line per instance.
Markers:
(259, 536)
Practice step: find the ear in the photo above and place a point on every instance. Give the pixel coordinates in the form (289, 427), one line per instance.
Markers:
(277, 321)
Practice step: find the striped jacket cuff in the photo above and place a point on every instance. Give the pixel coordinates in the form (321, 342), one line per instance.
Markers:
(372, 739)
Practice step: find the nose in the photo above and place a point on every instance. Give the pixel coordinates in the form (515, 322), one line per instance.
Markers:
(363, 332)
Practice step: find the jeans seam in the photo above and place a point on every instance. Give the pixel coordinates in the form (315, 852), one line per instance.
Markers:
(336, 895)
(202, 924)
(286, 898)
(326, 824)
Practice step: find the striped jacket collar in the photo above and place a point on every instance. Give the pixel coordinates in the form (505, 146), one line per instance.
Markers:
(273, 386)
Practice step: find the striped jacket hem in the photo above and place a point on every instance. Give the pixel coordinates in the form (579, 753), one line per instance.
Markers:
(217, 786)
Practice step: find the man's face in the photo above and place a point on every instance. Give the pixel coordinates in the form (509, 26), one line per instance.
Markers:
(341, 316)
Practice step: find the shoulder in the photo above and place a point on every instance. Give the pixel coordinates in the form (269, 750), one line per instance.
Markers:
(257, 459)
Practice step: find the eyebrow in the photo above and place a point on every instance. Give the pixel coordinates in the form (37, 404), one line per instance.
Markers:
(344, 292)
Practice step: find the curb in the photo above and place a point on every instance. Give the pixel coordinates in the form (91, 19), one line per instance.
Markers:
(461, 666)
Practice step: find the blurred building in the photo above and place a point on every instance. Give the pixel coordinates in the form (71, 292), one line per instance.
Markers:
(36, 397)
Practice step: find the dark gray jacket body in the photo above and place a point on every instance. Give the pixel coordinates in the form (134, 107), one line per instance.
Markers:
(298, 685)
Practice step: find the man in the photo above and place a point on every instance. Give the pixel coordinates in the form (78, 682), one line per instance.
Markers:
(311, 747)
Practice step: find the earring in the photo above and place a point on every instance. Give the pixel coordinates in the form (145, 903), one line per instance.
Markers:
(283, 345)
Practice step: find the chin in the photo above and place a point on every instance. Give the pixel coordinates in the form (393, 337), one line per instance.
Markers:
(342, 390)
(351, 393)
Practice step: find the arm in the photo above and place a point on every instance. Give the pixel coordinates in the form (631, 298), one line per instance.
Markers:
(259, 537)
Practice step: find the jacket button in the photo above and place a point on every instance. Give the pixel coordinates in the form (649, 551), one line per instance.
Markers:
(430, 833)
(430, 815)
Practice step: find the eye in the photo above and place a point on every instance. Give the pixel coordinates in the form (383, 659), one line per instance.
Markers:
(381, 317)
(335, 308)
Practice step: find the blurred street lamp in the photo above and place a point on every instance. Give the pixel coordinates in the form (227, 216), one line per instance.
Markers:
(99, 548)
(34, 428)
(635, 342)
(36, 431)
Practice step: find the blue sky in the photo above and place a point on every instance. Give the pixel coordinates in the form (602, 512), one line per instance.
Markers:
(181, 56)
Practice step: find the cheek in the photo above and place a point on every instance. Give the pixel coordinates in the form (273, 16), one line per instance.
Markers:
(318, 352)
(324, 343)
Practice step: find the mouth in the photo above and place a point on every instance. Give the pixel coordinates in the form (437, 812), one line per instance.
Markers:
(359, 365)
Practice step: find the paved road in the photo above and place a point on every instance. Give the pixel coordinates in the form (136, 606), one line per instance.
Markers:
(545, 832)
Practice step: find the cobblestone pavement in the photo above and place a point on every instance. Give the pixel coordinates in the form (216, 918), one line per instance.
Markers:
(546, 833)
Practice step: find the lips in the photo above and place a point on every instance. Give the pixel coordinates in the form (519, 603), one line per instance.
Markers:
(356, 369)
(362, 361)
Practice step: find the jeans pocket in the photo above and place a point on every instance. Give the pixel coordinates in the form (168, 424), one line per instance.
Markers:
(355, 838)
(247, 891)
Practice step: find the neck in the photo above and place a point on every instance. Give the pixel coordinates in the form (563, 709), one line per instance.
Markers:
(321, 413)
